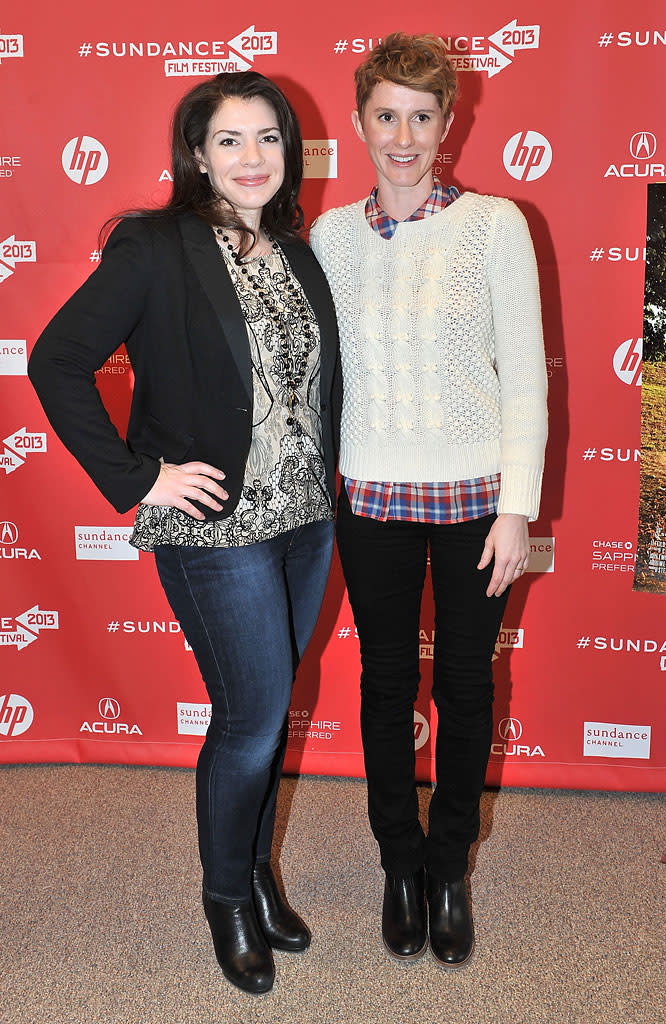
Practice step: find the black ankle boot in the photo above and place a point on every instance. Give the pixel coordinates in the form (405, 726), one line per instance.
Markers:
(451, 925)
(403, 916)
(240, 947)
(282, 926)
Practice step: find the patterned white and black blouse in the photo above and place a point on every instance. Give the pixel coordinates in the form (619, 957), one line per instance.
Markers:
(284, 485)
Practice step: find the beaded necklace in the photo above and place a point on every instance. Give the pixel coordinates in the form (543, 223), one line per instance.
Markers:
(293, 350)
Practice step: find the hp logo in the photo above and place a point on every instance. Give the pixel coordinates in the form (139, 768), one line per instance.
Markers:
(527, 156)
(84, 160)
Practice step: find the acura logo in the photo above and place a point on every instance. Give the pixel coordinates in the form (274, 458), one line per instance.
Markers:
(510, 729)
(643, 146)
(8, 532)
(109, 708)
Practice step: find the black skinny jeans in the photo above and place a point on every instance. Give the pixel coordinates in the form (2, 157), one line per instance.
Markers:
(384, 566)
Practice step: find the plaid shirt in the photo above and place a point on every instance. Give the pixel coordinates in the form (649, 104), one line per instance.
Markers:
(439, 502)
(446, 502)
(380, 221)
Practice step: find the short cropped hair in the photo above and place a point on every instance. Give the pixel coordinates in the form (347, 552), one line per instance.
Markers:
(417, 62)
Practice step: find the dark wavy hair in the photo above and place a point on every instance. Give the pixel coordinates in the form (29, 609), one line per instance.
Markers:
(192, 191)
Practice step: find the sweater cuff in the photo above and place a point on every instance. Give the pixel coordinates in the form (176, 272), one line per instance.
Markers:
(520, 491)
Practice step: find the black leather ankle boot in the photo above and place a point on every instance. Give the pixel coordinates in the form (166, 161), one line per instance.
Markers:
(240, 947)
(282, 927)
(403, 916)
(451, 925)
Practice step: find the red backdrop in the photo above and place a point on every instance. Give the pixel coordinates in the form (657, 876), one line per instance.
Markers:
(566, 117)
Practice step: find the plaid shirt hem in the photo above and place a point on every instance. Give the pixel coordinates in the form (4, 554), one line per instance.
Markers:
(442, 502)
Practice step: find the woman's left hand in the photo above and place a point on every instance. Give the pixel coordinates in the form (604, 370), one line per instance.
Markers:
(508, 541)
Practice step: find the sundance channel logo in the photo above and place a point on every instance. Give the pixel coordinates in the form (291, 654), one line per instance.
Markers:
(13, 358)
(608, 739)
(542, 554)
(104, 543)
(193, 719)
(320, 158)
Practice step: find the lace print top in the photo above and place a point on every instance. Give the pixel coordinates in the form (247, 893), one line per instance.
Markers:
(284, 485)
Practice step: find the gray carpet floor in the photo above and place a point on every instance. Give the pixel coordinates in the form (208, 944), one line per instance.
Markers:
(102, 921)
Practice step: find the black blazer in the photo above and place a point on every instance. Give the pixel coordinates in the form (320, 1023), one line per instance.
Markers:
(162, 288)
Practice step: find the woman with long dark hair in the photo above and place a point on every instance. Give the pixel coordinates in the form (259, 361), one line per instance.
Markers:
(230, 455)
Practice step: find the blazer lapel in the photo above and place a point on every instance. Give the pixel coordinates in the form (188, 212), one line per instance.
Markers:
(203, 253)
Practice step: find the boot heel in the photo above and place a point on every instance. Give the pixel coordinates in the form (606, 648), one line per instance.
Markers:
(240, 947)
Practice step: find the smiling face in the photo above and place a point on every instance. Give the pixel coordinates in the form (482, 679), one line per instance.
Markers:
(402, 129)
(243, 156)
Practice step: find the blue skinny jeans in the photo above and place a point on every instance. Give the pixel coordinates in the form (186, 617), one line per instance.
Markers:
(248, 614)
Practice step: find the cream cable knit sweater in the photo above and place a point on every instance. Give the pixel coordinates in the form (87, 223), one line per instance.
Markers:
(442, 349)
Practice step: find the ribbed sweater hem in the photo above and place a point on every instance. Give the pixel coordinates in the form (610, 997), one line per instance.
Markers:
(418, 463)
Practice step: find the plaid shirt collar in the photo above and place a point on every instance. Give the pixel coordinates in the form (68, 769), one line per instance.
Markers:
(380, 221)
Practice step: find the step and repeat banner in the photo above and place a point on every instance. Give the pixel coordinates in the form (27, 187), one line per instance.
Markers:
(562, 111)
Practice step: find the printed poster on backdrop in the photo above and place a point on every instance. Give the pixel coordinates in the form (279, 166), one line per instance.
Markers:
(650, 573)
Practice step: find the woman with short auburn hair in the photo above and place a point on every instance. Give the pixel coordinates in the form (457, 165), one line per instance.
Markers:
(441, 452)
